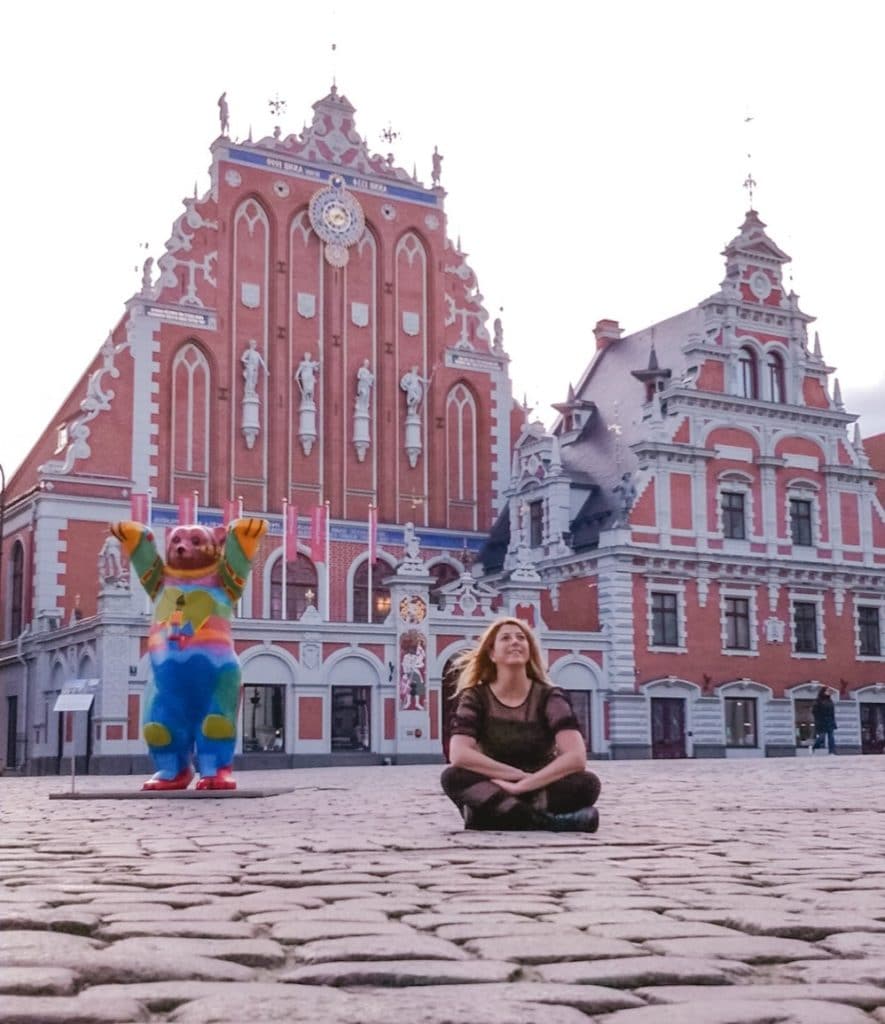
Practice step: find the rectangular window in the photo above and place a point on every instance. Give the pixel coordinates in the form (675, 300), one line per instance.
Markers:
(740, 722)
(800, 521)
(733, 515)
(805, 627)
(737, 623)
(536, 523)
(664, 620)
(868, 627)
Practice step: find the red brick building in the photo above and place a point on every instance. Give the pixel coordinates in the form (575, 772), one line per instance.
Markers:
(698, 538)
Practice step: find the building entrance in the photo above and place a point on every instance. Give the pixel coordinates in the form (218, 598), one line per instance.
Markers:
(872, 728)
(667, 727)
(351, 706)
(264, 718)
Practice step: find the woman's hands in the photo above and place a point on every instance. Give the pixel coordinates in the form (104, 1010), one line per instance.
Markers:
(464, 752)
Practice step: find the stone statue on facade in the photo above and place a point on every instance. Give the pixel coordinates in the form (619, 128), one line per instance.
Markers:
(626, 492)
(223, 114)
(252, 360)
(306, 376)
(364, 381)
(413, 385)
(110, 564)
(437, 159)
(498, 342)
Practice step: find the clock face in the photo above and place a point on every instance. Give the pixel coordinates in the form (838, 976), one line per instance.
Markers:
(760, 286)
(336, 216)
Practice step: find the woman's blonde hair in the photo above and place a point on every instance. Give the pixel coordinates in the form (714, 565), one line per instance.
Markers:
(476, 667)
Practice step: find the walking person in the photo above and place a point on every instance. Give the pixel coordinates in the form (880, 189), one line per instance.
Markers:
(517, 756)
(823, 712)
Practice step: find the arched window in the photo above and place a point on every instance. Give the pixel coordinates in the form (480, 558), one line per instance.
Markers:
(442, 574)
(16, 591)
(380, 594)
(775, 366)
(301, 588)
(749, 378)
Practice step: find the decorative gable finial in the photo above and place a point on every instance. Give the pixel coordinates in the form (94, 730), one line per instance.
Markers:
(816, 351)
(837, 394)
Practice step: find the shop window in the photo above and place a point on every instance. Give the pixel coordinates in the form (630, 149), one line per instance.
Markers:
(264, 718)
(740, 722)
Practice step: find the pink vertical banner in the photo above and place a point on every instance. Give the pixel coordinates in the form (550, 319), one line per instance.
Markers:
(230, 510)
(318, 526)
(373, 534)
(291, 532)
(140, 508)
(187, 510)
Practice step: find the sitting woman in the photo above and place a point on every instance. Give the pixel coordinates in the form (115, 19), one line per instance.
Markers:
(518, 759)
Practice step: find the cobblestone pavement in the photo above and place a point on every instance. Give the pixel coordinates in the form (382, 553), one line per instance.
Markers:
(715, 892)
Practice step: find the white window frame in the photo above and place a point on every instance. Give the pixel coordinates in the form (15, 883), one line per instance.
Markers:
(735, 483)
(804, 490)
(749, 596)
(670, 587)
(818, 601)
(869, 602)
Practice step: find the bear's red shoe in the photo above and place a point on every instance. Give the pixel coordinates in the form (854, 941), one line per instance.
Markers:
(181, 781)
(221, 780)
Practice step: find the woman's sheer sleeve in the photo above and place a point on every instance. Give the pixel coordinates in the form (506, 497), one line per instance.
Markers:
(559, 712)
(467, 716)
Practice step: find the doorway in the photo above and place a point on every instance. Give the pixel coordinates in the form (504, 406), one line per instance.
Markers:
(872, 728)
(264, 718)
(804, 723)
(667, 727)
(11, 732)
(350, 718)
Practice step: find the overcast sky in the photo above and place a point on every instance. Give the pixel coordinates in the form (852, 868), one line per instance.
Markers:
(594, 155)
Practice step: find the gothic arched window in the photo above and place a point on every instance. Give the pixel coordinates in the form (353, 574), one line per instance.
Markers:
(748, 383)
(380, 594)
(301, 588)
(775, 367)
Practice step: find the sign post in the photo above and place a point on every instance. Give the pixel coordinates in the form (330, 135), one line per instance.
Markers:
(78, 695)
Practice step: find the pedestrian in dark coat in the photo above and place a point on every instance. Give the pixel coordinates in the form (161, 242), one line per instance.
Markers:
(824, 713)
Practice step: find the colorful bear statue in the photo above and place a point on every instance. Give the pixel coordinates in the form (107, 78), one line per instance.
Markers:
(193, 695)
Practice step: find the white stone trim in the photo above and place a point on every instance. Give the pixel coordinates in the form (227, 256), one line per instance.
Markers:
(818, 601)
(804, 490)
(748, 594)
(869, 602)
(676, 587)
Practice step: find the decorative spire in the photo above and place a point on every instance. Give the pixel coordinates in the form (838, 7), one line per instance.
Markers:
(816, 351)
(837, 394)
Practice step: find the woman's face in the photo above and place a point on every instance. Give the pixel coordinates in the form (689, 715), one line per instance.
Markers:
(511, 646)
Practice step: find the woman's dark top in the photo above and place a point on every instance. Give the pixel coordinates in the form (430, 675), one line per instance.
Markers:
(523, 736)
(824, 713)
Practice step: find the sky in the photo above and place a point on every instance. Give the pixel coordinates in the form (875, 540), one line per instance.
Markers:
(594, 159)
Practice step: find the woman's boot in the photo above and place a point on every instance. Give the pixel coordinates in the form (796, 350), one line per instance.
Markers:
(585, 819)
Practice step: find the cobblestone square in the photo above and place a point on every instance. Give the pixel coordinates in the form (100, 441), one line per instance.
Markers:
(715, 892)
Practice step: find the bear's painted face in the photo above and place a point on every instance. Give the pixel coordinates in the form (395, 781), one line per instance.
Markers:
(192, 547)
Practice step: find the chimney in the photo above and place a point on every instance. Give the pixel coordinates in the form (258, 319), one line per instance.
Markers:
(606, 332)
